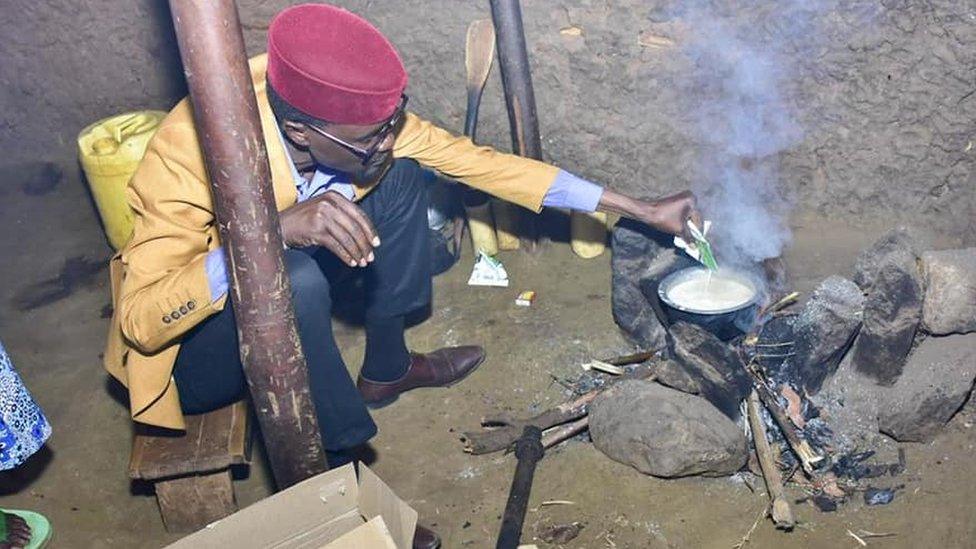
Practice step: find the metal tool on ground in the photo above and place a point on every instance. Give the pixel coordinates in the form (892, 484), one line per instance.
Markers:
(479, 51)
(528, 450)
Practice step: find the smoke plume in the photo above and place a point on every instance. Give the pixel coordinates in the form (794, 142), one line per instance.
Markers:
(738, 86)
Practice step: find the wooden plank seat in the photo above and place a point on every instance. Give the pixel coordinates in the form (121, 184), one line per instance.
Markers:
(191, 471)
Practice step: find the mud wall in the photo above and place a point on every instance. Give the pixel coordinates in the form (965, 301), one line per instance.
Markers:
(886, 101)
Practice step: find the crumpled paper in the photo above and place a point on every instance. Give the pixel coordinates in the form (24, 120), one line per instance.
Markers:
(488, 271)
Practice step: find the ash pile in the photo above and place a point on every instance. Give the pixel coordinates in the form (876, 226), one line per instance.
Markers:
(882, 357)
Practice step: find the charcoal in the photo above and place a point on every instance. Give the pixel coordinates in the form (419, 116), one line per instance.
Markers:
(950, 291)
(825, 329)
(879, 496)
(713, 365)
(665, 433)
(937, 381)
(892, 312)
(825, 503)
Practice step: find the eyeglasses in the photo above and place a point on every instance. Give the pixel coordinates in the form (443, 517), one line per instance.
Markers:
(379, 135)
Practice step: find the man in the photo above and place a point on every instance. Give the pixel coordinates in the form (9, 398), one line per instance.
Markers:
(345, 158)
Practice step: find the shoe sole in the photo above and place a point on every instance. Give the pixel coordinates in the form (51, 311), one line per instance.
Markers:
(378, 404)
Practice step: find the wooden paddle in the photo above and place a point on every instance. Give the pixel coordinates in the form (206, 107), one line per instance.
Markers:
(479, 52)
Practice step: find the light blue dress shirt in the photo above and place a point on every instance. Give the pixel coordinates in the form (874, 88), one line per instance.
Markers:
(566, 191)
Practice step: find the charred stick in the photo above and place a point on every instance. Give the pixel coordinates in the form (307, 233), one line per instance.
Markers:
(556, 435)
(780, 507)
(502, 438)
(635, 358)
(808, 457)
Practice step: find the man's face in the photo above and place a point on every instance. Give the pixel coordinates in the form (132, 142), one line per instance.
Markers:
(342, 157)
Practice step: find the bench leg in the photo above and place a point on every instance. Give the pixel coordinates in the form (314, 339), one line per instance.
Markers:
(189, 503)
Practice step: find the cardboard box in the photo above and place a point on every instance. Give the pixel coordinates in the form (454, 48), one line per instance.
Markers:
(328, 511)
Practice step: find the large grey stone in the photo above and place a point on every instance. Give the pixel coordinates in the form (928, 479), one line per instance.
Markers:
(950, 291)
(825, 329)
(665, 433)
(638, 252)
(867, 266)
(712, 364)
(937, 381)
(671, 374)
(892, 312)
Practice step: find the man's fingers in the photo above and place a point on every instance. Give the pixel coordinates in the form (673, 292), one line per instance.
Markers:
(339, 250)
(360, 218)
(352, 234)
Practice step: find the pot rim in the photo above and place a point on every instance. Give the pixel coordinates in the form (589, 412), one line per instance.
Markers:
(679, 276)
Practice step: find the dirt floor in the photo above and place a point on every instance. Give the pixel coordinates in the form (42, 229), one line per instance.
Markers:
(52, 320)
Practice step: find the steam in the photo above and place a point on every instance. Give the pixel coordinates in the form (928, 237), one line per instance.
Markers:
(740, 75)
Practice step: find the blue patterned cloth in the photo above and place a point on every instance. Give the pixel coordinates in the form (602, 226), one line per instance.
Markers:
(23, 427)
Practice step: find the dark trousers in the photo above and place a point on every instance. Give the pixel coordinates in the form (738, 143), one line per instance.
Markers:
(209, 373)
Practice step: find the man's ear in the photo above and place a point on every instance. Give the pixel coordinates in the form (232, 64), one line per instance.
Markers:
(296, 132)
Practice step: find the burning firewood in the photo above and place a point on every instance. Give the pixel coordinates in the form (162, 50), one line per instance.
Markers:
(809, 458)
(780, 509)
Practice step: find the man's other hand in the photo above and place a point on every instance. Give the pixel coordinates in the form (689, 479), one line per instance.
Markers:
(334, 222)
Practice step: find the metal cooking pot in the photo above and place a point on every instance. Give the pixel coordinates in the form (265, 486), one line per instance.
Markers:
(727, 323)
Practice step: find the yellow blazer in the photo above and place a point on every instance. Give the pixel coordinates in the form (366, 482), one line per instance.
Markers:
(161, 269)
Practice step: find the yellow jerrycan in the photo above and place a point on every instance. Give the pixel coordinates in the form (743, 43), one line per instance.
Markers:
(110, 151)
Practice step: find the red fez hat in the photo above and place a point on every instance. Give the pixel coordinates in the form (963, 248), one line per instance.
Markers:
(334, 65)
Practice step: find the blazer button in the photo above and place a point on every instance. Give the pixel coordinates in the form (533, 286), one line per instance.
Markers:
(167, 319)
(183, 310)
(191, 304)
(175, 315)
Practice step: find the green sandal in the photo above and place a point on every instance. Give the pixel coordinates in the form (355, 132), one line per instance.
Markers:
(39, 525)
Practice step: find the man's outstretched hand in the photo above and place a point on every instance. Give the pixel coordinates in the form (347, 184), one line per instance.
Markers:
(334, 222)
(669, 214)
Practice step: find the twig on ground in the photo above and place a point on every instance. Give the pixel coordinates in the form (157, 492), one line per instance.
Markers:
(745, 538)
(556, 435)
(867, 535)
(857, 538)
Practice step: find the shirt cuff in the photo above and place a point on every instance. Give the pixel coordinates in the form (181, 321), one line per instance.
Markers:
(216, 267)
(575, 193)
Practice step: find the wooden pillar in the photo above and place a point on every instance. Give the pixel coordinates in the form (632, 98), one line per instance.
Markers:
(229, 126)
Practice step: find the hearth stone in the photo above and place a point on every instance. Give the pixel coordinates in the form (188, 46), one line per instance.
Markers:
(665, 433)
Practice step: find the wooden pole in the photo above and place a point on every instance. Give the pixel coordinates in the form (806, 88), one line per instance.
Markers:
(513, 58)
(229, 126)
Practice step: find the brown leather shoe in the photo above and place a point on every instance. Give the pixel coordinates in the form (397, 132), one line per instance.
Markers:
(442, 368)
(425, 538)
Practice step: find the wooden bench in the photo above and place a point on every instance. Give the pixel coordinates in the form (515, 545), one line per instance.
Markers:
(191, 472)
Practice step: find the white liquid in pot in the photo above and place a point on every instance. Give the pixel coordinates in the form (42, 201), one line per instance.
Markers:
(711, 292)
